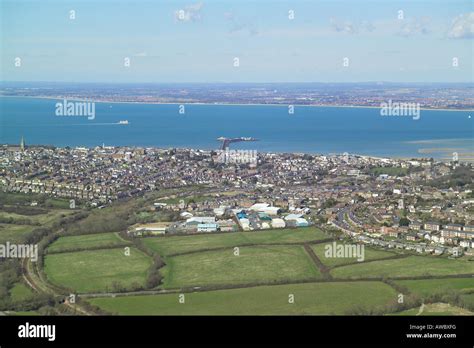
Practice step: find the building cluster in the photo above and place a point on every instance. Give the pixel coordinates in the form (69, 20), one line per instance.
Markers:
(384, 200)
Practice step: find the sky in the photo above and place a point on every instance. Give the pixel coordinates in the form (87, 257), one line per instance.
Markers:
(237, 41)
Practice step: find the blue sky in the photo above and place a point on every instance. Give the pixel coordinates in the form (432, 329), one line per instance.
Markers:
(197, 41)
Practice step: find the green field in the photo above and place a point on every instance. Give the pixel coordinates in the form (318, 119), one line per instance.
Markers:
(20, 292)
(255, 264)
(410, 266)
(87, 241)
(179, 244)
(309, 299)
(430, 286)
(97, 270)
(369, 254)
(14, 233)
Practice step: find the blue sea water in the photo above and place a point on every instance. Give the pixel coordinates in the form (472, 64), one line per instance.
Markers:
(310, 129)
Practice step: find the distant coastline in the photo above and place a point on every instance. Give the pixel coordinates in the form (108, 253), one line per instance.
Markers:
(221, 103)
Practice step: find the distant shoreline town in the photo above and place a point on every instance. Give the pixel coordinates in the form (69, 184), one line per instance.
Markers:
(106, 101)
(448, 97)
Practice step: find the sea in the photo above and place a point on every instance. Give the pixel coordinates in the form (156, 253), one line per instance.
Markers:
(310, 129)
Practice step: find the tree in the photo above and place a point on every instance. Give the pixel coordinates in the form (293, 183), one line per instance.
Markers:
(404, 221)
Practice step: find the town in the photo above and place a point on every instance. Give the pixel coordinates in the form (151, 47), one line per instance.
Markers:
(419, 205)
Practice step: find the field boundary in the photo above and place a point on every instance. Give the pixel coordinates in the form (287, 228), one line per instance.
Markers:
(247, 245)
(394, 257)
(321, 266)
(198, 288)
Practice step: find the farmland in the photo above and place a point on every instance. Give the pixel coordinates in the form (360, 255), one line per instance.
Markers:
(254, 264)
(309, 299)
(427, 286)
(98, 270)
(181, 244)
(264, 258)
(14, 233)
(405, 267)
(100, 240)
(369, 254)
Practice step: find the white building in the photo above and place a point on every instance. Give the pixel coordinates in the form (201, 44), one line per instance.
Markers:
(278, 223)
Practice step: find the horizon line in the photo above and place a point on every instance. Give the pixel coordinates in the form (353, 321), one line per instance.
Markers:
(245, 82)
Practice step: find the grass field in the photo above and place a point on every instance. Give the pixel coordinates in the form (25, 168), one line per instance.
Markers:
(406, 267)
(97, 270)
(369, 254)
(87, 241)
(179, 244)
(255, 264)
(20, 292)
(309, 299)
(14, 233)
(429, 286)
(41, 219)
(436, 309)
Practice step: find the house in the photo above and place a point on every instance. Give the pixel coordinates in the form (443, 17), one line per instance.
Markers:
(468, 228)
(412, 237)
(415, 225)
(432, 226)
(394, 234)
(387, 230)
(439, 250)
(403, 229)
(449, 233)
(429, 249)
(456, 252)
(453, 227)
